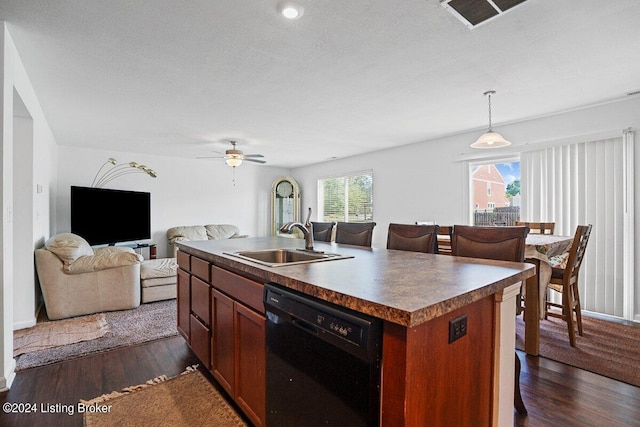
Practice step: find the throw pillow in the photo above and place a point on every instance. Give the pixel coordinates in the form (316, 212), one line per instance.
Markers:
(221, 231)
(68, 247)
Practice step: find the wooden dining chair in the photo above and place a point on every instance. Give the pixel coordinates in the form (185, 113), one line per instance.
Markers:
(322, 231)
(565, 281)
(538, 227)
(499, 243)
(355, 233)
(445, 233)
(410, 237)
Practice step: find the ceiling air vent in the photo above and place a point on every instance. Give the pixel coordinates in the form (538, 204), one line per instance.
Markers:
(475, 12)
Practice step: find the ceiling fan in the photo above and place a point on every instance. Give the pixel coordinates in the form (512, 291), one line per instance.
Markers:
(235, 157)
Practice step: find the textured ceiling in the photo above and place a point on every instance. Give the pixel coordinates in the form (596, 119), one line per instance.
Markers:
(176, 78)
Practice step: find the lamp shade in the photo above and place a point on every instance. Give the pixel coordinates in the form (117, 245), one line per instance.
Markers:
(490, 140)
(233, 161)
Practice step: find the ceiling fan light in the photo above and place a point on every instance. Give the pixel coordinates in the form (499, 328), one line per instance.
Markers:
(233, 161)
(490, 140)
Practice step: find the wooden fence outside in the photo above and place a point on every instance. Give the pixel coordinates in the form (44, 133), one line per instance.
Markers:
(497, 216)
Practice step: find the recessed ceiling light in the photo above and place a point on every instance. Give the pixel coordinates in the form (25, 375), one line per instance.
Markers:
(290, 10)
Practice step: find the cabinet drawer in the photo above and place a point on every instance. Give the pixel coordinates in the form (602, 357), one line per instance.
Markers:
(242, 289)
(201, 299)
(184, 261)
(200, 268)
(201, 341)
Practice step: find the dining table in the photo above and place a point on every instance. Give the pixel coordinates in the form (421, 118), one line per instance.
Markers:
(544, 251)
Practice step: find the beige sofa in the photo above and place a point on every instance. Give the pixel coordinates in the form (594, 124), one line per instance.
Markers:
(201, 232)
(77, 280)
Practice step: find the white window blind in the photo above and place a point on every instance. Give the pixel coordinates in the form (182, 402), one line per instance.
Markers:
(589, 183)
(346, 198)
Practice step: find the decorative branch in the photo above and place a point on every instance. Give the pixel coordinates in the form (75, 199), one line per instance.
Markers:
(118, 170)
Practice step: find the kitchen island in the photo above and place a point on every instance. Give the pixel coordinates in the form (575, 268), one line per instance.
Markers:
(426, 380)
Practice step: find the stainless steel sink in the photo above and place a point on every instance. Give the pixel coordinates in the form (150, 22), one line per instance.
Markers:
(279, 257)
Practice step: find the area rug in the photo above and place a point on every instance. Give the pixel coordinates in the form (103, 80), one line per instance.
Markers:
(606, 348)
(126, 327)
(186, 400)
(51, 334)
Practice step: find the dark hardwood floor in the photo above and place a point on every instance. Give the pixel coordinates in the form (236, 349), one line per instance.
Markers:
(65, 383)
(555, 394)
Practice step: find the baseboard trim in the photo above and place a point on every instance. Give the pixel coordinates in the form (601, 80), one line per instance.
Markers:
(9, 376)
(611, 318)
(25, 324)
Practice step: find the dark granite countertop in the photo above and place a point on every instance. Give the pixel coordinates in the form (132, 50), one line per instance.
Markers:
(407, 288)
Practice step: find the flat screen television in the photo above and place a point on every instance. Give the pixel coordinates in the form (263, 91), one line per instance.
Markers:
(104, 216)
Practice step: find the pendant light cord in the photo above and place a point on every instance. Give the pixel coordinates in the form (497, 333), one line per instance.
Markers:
(489, 93)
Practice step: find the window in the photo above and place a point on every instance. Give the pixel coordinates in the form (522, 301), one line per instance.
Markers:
(495, 192)
(346, 198)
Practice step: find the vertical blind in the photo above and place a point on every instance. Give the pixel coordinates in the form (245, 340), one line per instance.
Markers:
(346, 198)
(589, 183)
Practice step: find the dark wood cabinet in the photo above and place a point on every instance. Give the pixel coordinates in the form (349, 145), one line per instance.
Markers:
(200, 268)
(184, 261)
(200, 300)
(238, 348)
(184, 303)
(201, 320)
(238, 354)
(223, 340)
(250, 329)
(200, 341)
(221, 315)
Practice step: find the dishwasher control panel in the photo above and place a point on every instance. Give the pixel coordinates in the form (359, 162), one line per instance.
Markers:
(345, 328)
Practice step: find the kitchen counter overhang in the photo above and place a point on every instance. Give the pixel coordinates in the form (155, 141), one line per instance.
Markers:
(406, 288)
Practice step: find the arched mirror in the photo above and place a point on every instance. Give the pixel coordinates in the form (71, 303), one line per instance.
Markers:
(285, 201)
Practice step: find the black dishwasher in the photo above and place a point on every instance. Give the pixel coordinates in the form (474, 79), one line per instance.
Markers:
(323, 362)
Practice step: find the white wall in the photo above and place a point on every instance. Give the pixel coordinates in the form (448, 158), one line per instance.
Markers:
(411, 183)
(24, 297)
(186, 191)
(429, 180)
(17, 91)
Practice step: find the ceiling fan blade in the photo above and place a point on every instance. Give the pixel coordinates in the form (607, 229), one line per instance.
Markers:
(253, 155)
(255, 161)
(211, 157)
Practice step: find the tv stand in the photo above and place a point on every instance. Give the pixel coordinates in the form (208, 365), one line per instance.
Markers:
(139, 246)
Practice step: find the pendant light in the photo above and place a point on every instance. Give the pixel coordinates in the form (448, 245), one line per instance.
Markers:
(490, 139)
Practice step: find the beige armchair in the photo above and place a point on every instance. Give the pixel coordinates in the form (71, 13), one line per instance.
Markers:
(77, 280)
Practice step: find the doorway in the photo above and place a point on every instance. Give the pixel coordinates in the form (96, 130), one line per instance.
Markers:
(21, 216)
